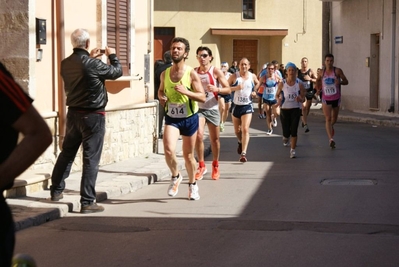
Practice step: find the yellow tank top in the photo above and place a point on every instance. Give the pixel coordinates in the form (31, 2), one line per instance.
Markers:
(178, 105)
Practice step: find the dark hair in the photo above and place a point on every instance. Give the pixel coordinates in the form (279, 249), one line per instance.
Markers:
(158, 63)
(274, 62)
(329, 55)
(184, 41)
(205, 48)
(167, 58)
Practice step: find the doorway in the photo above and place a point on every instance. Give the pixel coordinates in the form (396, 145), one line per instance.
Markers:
(247, 49)
(374, 71)
(163, 37)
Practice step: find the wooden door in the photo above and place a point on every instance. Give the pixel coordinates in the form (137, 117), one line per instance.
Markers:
(163, 37)
(247, 49)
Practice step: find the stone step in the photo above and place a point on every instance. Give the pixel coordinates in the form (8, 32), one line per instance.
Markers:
(29, 182)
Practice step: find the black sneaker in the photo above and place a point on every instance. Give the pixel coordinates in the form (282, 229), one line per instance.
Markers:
(332, 144)
(56, 196)
(91, 208)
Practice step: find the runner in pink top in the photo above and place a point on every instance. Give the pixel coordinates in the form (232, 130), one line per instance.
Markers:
(329, 82)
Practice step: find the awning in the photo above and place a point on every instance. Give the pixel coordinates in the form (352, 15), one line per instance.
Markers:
(246, 32)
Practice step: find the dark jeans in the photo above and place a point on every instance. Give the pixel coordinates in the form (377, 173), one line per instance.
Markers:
(7, 233)
(289, 121)
(86, 129)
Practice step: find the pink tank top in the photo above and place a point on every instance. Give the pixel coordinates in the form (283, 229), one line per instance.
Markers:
(330, 90)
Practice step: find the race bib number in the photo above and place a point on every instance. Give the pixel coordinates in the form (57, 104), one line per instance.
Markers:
(330, 90)
(177, 110)
(270, 90)
(306, 85)
(291, 97)
(243, 100)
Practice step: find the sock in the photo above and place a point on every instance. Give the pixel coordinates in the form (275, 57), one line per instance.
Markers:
(202, 164)
(215, 163)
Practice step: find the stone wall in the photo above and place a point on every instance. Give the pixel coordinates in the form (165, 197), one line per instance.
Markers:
(129, 133)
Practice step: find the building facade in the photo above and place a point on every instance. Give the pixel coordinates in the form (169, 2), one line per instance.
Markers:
(363, 40)
(262, 31)
(36, 38)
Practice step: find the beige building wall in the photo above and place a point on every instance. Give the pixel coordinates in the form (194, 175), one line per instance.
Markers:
(194, 20)
(131, 116)
(356, 21)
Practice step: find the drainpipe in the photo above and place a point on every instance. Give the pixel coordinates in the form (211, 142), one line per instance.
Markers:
(60, 54)
(147, 75)
(304, 22)
(392, 106)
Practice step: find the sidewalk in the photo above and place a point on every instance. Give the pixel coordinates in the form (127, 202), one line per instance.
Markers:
(131, 175)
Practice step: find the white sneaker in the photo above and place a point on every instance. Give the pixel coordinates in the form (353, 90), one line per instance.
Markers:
(174, 185)
(269, 132)
(286, 142)
(292, 153)
(274, 122)
(193, 192)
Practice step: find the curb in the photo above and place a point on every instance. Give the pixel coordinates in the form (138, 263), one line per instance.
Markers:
(38, 209)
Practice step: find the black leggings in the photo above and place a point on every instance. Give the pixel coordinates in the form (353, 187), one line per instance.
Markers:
(289, 121)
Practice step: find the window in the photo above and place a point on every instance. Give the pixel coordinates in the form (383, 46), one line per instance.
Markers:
(118, 31)
(248, 9)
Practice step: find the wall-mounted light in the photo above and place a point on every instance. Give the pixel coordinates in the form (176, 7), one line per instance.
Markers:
(39, 54)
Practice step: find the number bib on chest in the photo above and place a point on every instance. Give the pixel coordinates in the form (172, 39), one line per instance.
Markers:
(270, 90)
(306, 85)
(177, 110)
(291, 97)
(330, 90)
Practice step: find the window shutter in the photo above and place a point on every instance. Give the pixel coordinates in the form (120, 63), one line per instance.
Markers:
(118, 31)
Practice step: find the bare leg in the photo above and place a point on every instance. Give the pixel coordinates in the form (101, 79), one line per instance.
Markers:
(327, 110)
(188, 153)
(245, 123)
(215, 141)
(171, 135)
(199, 144)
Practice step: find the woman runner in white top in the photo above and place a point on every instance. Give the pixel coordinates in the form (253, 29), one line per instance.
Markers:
(293, 95)
(244, 84)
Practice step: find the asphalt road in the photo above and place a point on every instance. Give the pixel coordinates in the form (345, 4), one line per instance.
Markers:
(324, 208)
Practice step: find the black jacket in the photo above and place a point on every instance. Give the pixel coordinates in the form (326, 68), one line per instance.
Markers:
(84, 78)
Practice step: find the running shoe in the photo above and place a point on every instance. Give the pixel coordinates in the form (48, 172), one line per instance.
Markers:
(174, 185)
(262, 116)
(292, 154)
(239, 148)
(200, 173)
(221, 127)
(193, 193)
(215, 172)
(274, 122)
(332, 144)
(306, 128)
(286, 142)
(243, 157)
(269, 132)
(303, 125)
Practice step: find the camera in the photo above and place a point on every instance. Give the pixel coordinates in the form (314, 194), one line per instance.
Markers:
(102, 51)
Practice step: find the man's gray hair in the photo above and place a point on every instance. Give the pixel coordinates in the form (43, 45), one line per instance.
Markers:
(79, 38)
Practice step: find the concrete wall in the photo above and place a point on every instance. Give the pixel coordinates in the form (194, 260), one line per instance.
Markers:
(130, 128)
(356, 21)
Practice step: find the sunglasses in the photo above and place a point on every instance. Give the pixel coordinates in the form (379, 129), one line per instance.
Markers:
(203, 55)
(270, 68)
